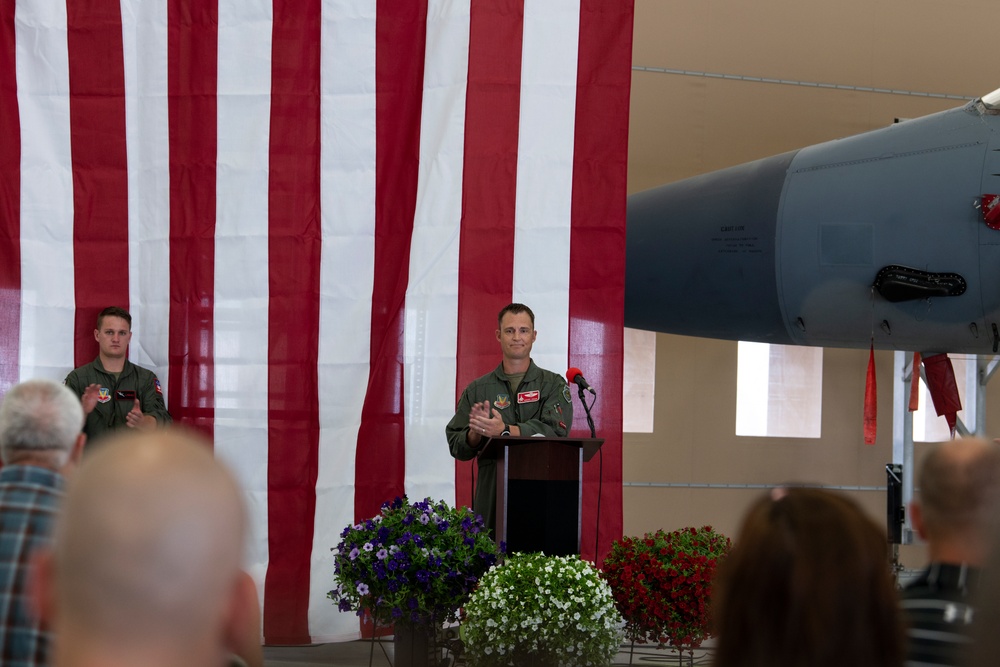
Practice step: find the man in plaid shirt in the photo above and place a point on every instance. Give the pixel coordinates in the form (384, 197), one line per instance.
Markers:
(41, 440)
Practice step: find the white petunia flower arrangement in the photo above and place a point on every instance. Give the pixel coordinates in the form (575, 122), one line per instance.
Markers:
(542, 610)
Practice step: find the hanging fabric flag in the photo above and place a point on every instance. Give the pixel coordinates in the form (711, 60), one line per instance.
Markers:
(314, 209)
(871, 399)
(915, 383)
(940, 377)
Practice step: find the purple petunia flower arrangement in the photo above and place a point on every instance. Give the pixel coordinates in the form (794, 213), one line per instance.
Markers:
(414, 564)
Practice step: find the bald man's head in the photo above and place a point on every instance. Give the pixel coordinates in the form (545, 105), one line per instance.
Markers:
(150, 540)
(957, 483)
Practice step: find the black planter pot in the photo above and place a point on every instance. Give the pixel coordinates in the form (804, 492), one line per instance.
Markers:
(537, 661)
(414, 647)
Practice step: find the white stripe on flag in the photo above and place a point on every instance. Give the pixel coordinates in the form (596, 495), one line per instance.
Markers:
(431, 325)
(47, 298)
(545, 172)
(144, 40)
(241, 259)
(347, 273)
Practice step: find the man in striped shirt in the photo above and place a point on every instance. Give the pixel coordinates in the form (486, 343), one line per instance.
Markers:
(956, 484)
(40, 442)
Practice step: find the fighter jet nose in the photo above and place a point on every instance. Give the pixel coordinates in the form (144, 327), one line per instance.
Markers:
(817, 246)
(700, 254)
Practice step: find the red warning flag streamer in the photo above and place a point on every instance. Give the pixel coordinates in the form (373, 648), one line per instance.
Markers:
(915, 383)
(871, 399)
(940, 377)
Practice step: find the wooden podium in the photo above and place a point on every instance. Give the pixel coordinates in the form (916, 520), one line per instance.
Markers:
(540, 491)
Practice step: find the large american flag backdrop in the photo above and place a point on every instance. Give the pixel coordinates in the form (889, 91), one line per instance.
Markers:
(314, 210)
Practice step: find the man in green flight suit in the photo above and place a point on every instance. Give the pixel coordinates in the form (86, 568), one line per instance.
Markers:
(116, 393)
(517, 398)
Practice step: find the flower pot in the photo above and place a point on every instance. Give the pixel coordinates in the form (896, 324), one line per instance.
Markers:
(413, 646)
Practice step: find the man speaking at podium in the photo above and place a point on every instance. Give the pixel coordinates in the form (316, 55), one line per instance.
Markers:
(517, 398)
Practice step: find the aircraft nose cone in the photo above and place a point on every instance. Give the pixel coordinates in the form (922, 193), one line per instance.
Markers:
(700, 254)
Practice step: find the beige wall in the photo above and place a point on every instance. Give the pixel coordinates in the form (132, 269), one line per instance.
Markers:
(683, 125)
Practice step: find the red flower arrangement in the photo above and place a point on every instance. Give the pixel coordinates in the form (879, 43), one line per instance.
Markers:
(662, 584)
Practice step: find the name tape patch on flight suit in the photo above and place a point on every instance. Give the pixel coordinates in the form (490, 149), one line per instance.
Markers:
(528, 396)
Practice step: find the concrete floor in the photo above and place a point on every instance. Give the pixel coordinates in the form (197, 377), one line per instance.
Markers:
(357, 654)
(343, 654)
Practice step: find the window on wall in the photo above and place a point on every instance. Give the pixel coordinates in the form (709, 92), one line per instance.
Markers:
(779, 390)
(638, 381)
(927, 426)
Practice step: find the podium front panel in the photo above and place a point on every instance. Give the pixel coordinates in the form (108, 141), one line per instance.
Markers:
(543, 516)
(539, 498)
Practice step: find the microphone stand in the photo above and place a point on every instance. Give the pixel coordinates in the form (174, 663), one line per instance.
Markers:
(600, 476)
(586, 408)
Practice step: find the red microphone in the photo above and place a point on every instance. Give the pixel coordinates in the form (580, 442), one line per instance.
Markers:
(574, 375)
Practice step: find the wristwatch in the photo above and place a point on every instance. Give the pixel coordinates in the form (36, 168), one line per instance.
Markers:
(506, 431)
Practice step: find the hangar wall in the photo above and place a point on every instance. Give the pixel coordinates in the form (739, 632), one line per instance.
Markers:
(720, 83)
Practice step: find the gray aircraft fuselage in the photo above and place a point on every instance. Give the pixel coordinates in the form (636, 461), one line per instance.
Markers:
(789, 249)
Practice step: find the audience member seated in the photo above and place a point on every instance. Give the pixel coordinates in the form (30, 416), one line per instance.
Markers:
(144, 567)
(807, 584)
(956, 485)
(40, 444)
(985, 640)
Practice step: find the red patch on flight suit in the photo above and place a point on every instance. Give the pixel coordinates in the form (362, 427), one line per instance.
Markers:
(528, 396)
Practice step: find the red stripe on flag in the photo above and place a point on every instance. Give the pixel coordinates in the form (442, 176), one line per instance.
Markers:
(192, 78)
(294, 249)
(486, 258)
(10, 205)
(100, 164)
(399, 74)
(597, 247)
